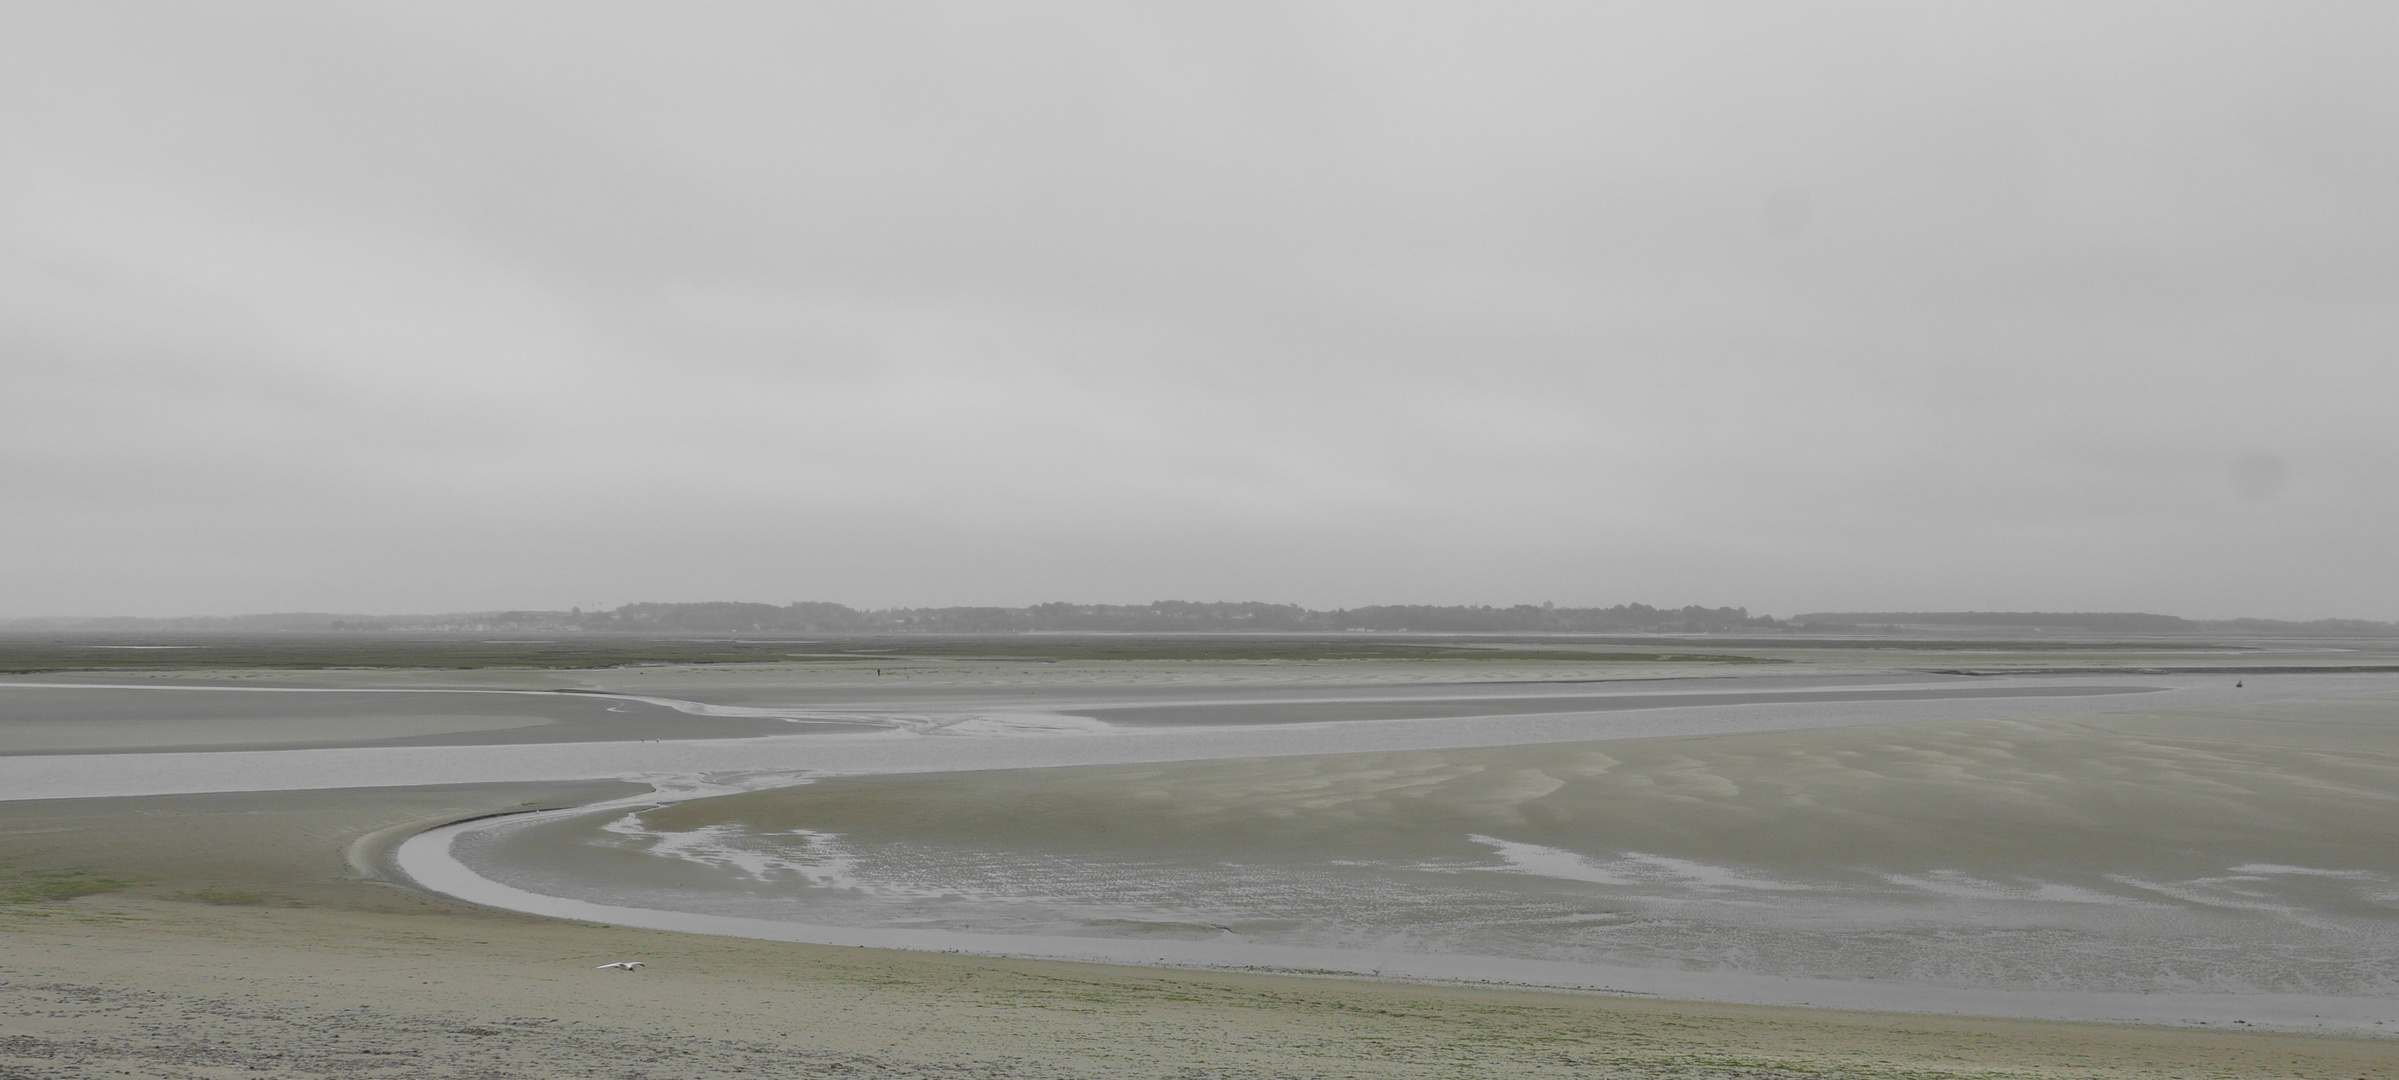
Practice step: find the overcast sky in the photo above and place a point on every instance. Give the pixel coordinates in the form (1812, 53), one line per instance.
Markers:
(1798, 306)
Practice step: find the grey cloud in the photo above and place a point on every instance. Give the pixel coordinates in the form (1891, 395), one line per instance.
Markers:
(385, 307)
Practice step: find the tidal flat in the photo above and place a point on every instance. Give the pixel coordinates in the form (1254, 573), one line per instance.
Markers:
(2149, 865)
(263, 934)
(2125, 841)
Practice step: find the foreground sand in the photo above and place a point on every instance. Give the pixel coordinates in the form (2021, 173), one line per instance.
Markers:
(248, 938)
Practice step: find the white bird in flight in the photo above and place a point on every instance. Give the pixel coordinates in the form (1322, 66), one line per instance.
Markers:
(621, 965)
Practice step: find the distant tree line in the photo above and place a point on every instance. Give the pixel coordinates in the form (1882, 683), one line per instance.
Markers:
(1183, 616)
(2105, 622)
(2099, 622)
(1165, 616)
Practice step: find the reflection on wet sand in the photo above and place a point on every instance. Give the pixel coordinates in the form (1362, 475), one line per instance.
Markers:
(1523, 704)
(2223, 851)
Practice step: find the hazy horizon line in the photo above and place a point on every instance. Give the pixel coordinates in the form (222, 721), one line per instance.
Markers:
(343, 620)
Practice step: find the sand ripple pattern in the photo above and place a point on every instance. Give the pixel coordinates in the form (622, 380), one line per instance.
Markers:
(2234, 852)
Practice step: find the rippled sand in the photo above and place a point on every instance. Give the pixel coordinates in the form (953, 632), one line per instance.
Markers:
(2233, 850)
(239, 941)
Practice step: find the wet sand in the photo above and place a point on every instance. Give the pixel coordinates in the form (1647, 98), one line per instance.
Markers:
(186, 713)
(2167, 866)
(258, 932)
(98, 718)
(913, 731)
(166, 715)
(1458, 705)
(250, 945)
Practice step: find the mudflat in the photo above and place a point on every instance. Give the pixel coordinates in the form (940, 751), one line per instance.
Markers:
(97, 718)
(2172, 866)
(1317, 712)
(254, 935)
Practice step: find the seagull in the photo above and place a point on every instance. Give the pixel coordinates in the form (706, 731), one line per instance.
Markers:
(621, 965)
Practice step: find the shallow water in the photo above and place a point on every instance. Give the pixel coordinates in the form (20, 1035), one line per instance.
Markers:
(1459, 705)
(601, 733)
(2242, 854)
(45, 717)
(2026, 846)
(2242, 929)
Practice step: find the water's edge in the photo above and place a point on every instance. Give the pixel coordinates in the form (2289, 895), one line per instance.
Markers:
(427, 861)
